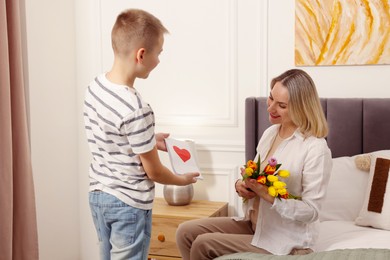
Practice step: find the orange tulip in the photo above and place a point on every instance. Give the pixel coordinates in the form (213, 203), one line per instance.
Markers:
(262, 179)
(269, 169)
(251, 164)
(284, 196)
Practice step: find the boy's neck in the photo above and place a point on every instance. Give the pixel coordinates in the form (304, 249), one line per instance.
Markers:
(121, 75)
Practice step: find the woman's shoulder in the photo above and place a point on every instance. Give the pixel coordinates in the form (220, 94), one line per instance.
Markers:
(317, 140)
(271, 129)
(317, 144)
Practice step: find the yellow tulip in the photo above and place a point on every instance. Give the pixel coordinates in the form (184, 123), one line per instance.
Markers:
(284, 173)
(249, 171)
(279, 184)
(282, 191)
(272, 178)
(272, 191)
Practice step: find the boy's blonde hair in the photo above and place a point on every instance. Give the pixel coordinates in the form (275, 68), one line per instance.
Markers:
(135, 28)
(304, 104)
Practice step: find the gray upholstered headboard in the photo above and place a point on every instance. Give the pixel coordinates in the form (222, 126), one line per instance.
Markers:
(356, 125)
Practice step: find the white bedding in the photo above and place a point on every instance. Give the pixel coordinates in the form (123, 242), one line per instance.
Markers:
(344, 200)
(338, 231)
(347, 235)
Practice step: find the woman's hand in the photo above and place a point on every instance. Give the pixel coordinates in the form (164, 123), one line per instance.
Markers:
(260, 189)
(242, 190)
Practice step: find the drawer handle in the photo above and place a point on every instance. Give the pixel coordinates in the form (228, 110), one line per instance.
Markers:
(161, 237)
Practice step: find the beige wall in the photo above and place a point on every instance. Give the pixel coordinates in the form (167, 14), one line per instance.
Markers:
(217, 60)
(52, 87)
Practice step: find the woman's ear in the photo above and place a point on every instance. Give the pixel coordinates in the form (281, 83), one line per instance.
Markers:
(140, 55)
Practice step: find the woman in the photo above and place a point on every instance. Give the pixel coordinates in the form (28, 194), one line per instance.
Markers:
(271, 225)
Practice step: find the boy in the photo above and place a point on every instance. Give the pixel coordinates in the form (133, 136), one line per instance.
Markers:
(120, 132)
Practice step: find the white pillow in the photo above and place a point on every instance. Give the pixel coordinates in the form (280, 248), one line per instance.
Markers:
(375, 211)
(345, 193)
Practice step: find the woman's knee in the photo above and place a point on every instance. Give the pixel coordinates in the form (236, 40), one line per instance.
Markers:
(185, 234)
(183, 230)
(190, 228)
(202, 247)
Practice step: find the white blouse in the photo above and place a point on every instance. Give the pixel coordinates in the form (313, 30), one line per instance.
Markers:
(289, 223)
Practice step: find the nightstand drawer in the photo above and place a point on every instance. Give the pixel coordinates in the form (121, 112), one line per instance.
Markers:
(167, 218)
(163, 240)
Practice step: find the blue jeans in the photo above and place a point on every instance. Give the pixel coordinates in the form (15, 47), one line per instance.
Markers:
(123, 231)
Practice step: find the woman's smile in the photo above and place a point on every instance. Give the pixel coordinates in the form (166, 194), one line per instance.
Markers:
(273, 116)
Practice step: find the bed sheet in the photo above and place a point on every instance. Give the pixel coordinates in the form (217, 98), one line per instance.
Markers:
(346, 235)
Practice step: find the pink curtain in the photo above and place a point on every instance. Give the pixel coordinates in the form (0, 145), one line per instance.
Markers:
(18, 226)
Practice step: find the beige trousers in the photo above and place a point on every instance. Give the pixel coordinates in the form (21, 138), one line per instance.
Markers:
(209, 238)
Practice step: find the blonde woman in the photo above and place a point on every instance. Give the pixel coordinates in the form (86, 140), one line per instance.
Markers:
(271, 225)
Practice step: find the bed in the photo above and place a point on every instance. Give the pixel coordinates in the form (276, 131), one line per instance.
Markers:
(350, 226)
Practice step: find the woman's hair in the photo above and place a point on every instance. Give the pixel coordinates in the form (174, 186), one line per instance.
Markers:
(133, 27)
(304, 104)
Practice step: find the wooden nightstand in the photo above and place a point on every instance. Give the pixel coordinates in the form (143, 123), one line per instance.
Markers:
(167, 218)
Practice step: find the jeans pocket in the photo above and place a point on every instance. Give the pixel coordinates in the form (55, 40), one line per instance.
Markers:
(123, 227)
(148, 223)
(96, 221)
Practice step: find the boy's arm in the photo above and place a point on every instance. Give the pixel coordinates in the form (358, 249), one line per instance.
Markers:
(160, 141)
(157, 172)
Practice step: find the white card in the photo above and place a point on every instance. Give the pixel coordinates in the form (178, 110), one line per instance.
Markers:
(183, 156)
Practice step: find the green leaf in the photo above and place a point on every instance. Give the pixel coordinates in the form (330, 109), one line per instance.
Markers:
(290, 196)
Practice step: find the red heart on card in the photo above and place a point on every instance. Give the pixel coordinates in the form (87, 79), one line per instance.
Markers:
(183, 153)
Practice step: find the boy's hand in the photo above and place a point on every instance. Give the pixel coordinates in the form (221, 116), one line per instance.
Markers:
(190, 177)
(157, 172)
(160, 141)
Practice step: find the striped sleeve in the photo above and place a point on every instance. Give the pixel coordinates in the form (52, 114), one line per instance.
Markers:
(139, 129)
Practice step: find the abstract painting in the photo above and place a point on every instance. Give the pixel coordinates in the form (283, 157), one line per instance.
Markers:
(342, 32)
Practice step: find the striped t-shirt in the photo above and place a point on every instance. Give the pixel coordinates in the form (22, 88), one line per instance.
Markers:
(119, 126)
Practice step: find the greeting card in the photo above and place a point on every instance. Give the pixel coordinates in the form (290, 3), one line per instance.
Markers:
(183, 156)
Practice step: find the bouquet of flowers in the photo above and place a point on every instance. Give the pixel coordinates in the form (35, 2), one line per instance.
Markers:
(269, 177)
